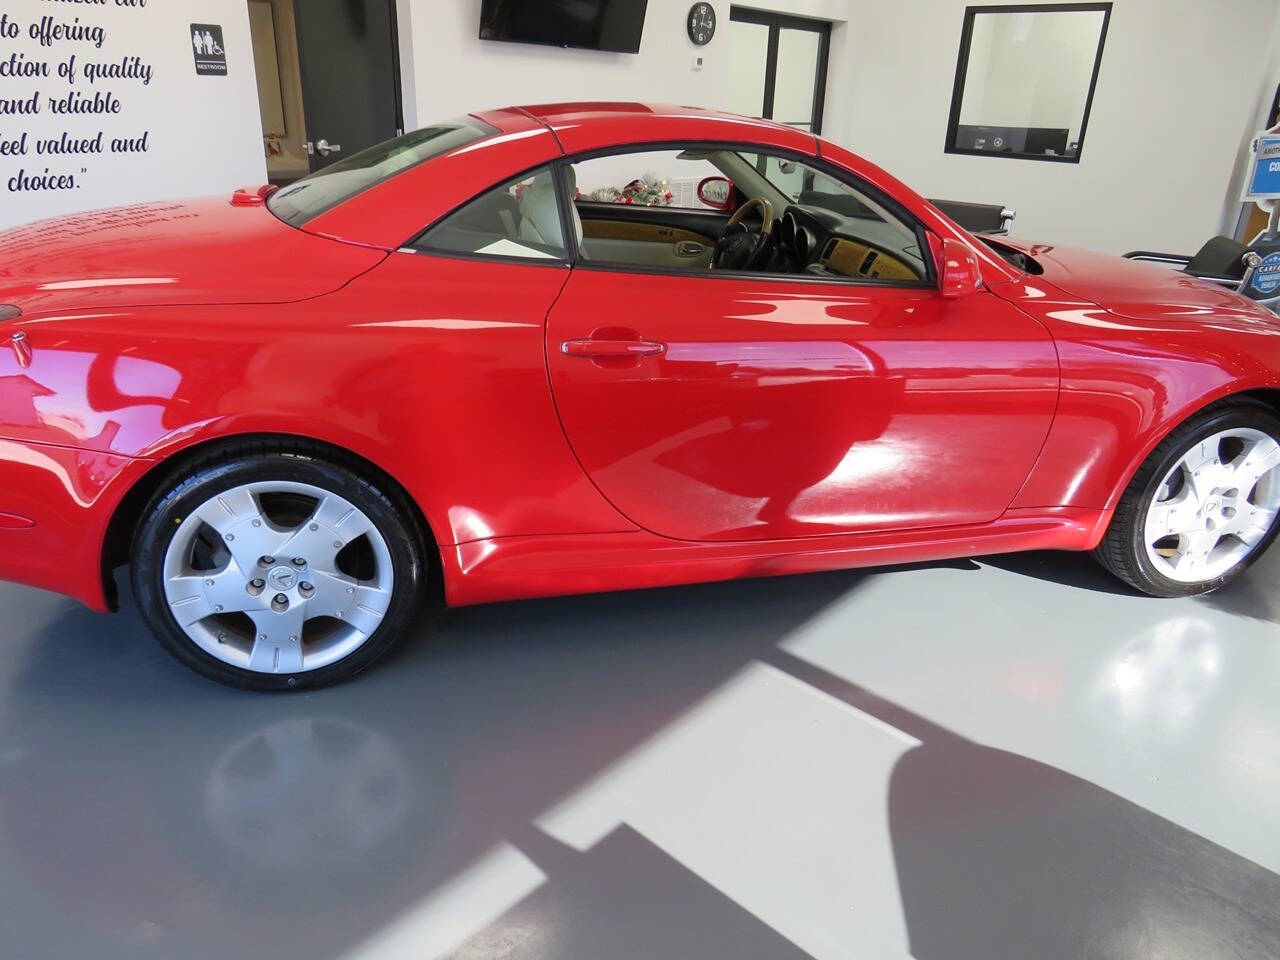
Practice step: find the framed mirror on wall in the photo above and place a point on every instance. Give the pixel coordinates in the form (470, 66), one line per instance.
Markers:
(1025, 80)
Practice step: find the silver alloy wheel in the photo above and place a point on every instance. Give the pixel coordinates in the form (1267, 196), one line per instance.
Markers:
(286, 589)
(1214, 506)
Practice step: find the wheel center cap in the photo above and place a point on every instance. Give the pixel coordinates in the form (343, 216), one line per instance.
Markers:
(282, 578)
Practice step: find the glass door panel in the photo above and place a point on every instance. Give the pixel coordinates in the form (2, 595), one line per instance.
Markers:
(794, 92)
(748, 61)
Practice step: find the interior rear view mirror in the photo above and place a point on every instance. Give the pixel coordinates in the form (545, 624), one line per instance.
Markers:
(716, 192)
(961, 272)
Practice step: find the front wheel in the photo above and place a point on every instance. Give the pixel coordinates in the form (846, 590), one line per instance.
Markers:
(276, 570)
(1203, 506)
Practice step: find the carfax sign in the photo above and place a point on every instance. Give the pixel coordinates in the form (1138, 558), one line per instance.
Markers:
(1264, 168)
(1266, 279)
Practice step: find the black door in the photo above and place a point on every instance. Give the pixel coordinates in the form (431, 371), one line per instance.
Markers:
(349, 61)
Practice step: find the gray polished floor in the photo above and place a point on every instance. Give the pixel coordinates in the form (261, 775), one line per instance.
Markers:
(1008, 758)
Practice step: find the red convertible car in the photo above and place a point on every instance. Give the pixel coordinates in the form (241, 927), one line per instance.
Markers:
(583, 347)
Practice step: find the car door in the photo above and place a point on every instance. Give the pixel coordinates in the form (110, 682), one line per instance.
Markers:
(747, 407)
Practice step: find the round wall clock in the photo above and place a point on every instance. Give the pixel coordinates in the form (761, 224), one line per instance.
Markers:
(702, 23)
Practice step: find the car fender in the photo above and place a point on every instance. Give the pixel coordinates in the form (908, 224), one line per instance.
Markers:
(1126, 384)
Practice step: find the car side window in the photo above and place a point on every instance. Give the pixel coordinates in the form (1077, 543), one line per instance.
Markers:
(688, 209)
(520, 218)
(868, 242)
(653, 178)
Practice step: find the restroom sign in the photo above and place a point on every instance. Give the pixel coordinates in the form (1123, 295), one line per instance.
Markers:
(1264, 168)
(210, 54)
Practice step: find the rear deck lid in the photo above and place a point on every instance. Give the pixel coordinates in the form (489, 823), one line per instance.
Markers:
(203, 251)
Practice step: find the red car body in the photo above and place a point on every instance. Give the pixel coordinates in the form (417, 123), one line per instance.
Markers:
(790, 425)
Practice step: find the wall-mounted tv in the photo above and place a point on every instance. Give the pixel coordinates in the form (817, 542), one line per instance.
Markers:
(613, 25)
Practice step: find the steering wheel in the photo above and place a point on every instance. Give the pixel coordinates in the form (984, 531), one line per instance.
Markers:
(740, 247)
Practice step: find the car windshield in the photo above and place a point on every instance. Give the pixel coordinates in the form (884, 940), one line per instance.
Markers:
(339, 182)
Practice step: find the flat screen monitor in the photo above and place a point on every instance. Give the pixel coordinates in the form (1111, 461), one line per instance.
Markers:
(1047, 140)
(613, 25)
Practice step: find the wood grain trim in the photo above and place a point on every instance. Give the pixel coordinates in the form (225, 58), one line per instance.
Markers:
(641, 232)
(847, 260)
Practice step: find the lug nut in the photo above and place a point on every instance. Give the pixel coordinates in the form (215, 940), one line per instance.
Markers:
(299, 562)
(256, 586)
(267, 561)
(305, 588)
(279, 603)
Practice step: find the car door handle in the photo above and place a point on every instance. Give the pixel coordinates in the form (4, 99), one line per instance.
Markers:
(690, 248)
(612, 348)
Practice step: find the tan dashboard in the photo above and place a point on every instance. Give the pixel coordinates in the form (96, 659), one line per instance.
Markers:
(851, 259)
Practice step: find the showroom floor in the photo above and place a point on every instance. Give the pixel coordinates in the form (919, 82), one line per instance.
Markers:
(1008, 758)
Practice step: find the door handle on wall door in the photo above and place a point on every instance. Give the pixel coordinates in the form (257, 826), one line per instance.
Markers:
(324, 147)
(612, 348)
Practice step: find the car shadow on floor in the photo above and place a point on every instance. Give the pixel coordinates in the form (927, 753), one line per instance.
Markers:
(1068, 568)
(1251, 595)
(133, 789)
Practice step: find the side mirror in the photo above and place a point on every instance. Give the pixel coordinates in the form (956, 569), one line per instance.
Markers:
(716, 192)
(961, 272)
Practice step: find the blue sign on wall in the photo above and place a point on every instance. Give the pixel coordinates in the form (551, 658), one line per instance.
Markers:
(1264, 177)
(1266, 279)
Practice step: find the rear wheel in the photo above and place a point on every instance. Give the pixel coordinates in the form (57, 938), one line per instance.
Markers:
(276, 570)
(1203, 506)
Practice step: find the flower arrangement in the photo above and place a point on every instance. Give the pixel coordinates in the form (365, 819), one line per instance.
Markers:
(649, 190)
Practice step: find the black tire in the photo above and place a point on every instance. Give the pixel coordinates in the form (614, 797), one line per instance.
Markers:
(282, 460)
(1122, 550)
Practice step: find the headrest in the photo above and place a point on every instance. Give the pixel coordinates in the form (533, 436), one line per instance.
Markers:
(540, 214)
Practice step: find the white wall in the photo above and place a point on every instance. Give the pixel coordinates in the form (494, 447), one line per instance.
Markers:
(1176, 90)
(449, 70)
(203, 134)
(1178, 84)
